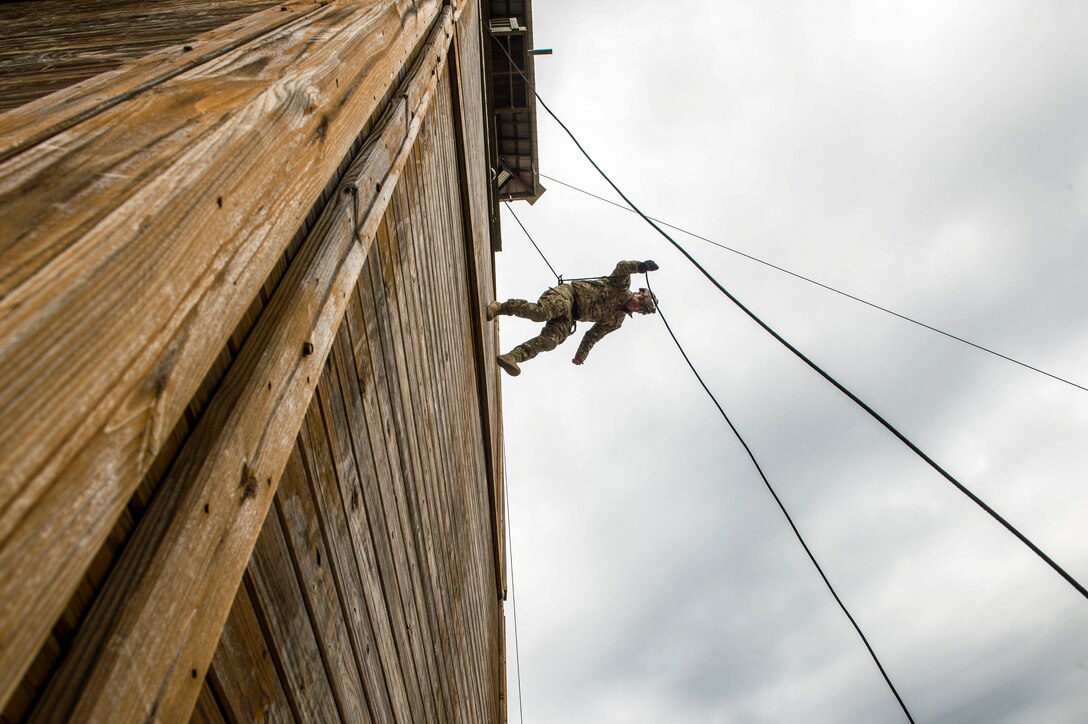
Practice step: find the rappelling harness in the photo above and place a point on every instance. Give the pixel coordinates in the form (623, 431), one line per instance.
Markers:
(574, 299)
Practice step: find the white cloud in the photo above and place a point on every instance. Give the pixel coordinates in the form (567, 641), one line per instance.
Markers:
(932, 157)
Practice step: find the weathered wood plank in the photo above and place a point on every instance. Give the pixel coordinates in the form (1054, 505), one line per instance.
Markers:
(424, 459)
(413, 599)
(443, 311)
(207, 709)
(473, 475)
(440, 267)
(348, 396)
(393, 493)
(429, 495)
(243, 672)
(394, 462)
(428, 308)
(434, 247)
(136, 231)
(473, 148)
(394, 379)
(424, 231)
(483, 632)
(469, 122)
(22, 700)
(192, 547)
(370, 437)
(287, 625)
(76, 48)
(313, 567)
(440, 538)
(360, 507)
(60, 637)
(406, 205)
(432, 497)
(340, 480)
(436, 538)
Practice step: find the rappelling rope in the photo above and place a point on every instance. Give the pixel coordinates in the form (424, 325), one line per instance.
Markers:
(782, 507)
(513, 589)
(559, 277)
(800, 355)
(762, 475)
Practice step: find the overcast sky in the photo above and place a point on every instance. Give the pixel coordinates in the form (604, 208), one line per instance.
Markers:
(929, 156)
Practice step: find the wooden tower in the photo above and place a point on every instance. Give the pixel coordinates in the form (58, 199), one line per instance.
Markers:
(250, 424)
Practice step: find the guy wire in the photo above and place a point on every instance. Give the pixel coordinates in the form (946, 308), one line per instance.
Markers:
(800, 355)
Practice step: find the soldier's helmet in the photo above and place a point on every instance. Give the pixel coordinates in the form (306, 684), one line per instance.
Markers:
(649, 302)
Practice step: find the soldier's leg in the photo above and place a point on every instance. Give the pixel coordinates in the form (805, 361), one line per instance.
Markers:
(553, 303)
(554, 332)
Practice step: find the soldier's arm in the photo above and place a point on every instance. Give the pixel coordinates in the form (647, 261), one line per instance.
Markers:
(621, 275)
(592, 337)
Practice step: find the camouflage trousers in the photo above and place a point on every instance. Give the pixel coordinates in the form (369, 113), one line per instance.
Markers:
(554, 308)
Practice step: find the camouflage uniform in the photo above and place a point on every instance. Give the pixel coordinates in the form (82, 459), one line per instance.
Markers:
(599, 300)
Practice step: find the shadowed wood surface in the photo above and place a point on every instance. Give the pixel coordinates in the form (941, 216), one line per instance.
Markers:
(190, 550)
(36, 121)
(390, 476)
(158, 220)
(369, 512)
(477, 211)
(48, 45)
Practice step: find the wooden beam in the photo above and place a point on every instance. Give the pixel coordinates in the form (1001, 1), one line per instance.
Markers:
(471, 188)
(26, 125)
(132, 244)
(144, 649)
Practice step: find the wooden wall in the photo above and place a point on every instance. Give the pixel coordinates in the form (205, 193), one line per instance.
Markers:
(48, 45)
(374, 588)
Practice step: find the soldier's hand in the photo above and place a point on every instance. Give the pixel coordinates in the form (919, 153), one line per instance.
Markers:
(648, 265)
(578, 360)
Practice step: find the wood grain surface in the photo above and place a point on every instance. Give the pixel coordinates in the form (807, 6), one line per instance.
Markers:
(133, 243)
(180, 572)
(48, 45)
(395, 455)
(62, 62)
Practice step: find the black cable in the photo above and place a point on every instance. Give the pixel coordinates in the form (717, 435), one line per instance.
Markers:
(530, 237)
(720, 409)
(559, 277)
(826, 286)
(785, 512)
(876, 416)
(510, 554)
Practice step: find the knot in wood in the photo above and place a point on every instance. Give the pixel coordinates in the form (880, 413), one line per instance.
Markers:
(248, 483)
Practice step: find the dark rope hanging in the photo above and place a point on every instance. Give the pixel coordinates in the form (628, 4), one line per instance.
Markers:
(829, 288)
(815, 367)
(782, 507)
(557, 275)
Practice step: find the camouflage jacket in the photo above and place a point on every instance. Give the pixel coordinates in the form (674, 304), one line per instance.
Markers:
(601, 301)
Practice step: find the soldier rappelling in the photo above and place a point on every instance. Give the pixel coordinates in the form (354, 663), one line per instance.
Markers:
(606, 301)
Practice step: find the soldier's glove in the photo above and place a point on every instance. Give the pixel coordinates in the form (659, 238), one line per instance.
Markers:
(648, 265)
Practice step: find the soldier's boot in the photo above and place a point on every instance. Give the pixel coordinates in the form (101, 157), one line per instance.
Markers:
(510, 360)
(509, 364)
(493, 310)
